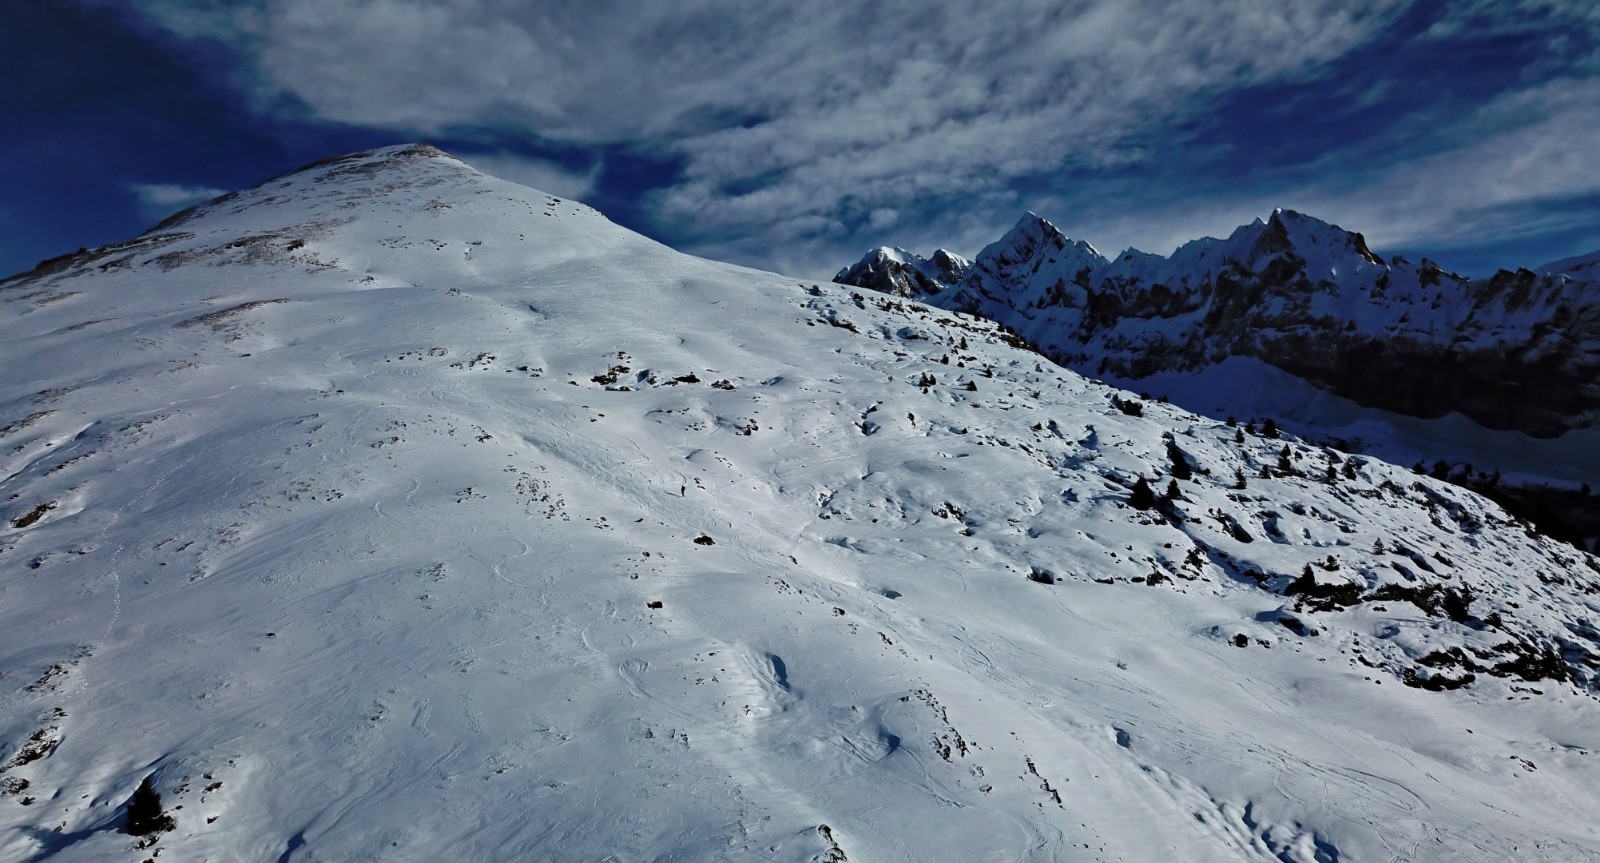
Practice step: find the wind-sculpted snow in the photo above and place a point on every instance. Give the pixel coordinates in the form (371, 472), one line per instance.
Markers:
(391, 511)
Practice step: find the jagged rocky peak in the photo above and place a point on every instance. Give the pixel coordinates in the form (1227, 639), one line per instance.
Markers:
(1286, 241)
(1030, 234)
(950, 266)
(1035, 240)
(1032, 247)
(1035, 252)
(1034, 262)
(1311, 299)
(1300, 231)
(893, 270)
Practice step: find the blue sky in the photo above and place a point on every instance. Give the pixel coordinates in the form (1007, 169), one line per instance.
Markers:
(795, 134)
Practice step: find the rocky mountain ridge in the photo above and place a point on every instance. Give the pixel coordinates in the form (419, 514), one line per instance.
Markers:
(1312, 300)
(892, 270)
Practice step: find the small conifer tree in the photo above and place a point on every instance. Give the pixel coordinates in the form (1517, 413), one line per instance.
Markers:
(1143, 496)
(1180, 462)
(144, 811)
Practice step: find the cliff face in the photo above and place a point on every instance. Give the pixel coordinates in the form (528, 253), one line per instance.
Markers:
(1515, 351)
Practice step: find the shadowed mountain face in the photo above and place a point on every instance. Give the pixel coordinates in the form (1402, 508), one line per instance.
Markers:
(1516, 351)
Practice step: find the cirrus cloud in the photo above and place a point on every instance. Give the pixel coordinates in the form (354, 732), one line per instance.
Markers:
(159, 200)
(802, 128)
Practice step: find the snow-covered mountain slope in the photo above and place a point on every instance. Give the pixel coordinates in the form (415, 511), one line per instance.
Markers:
(1578, 266)
(1315, 301)
(391, 511)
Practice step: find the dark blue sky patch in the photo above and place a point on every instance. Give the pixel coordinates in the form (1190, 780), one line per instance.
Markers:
(627, 178)
(1525, 234)
(102, 105)
(1395, 99)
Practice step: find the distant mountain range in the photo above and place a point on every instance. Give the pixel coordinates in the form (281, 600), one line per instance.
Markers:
(1519, 350)
(1298, 319)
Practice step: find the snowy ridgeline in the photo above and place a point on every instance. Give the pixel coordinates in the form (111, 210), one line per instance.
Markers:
(390, 511)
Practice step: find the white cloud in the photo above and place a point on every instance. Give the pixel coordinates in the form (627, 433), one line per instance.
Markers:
(878, 75)
(808, 121)
(539, 174)
(159, 200)
(1512, 161)
(1539, 144)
